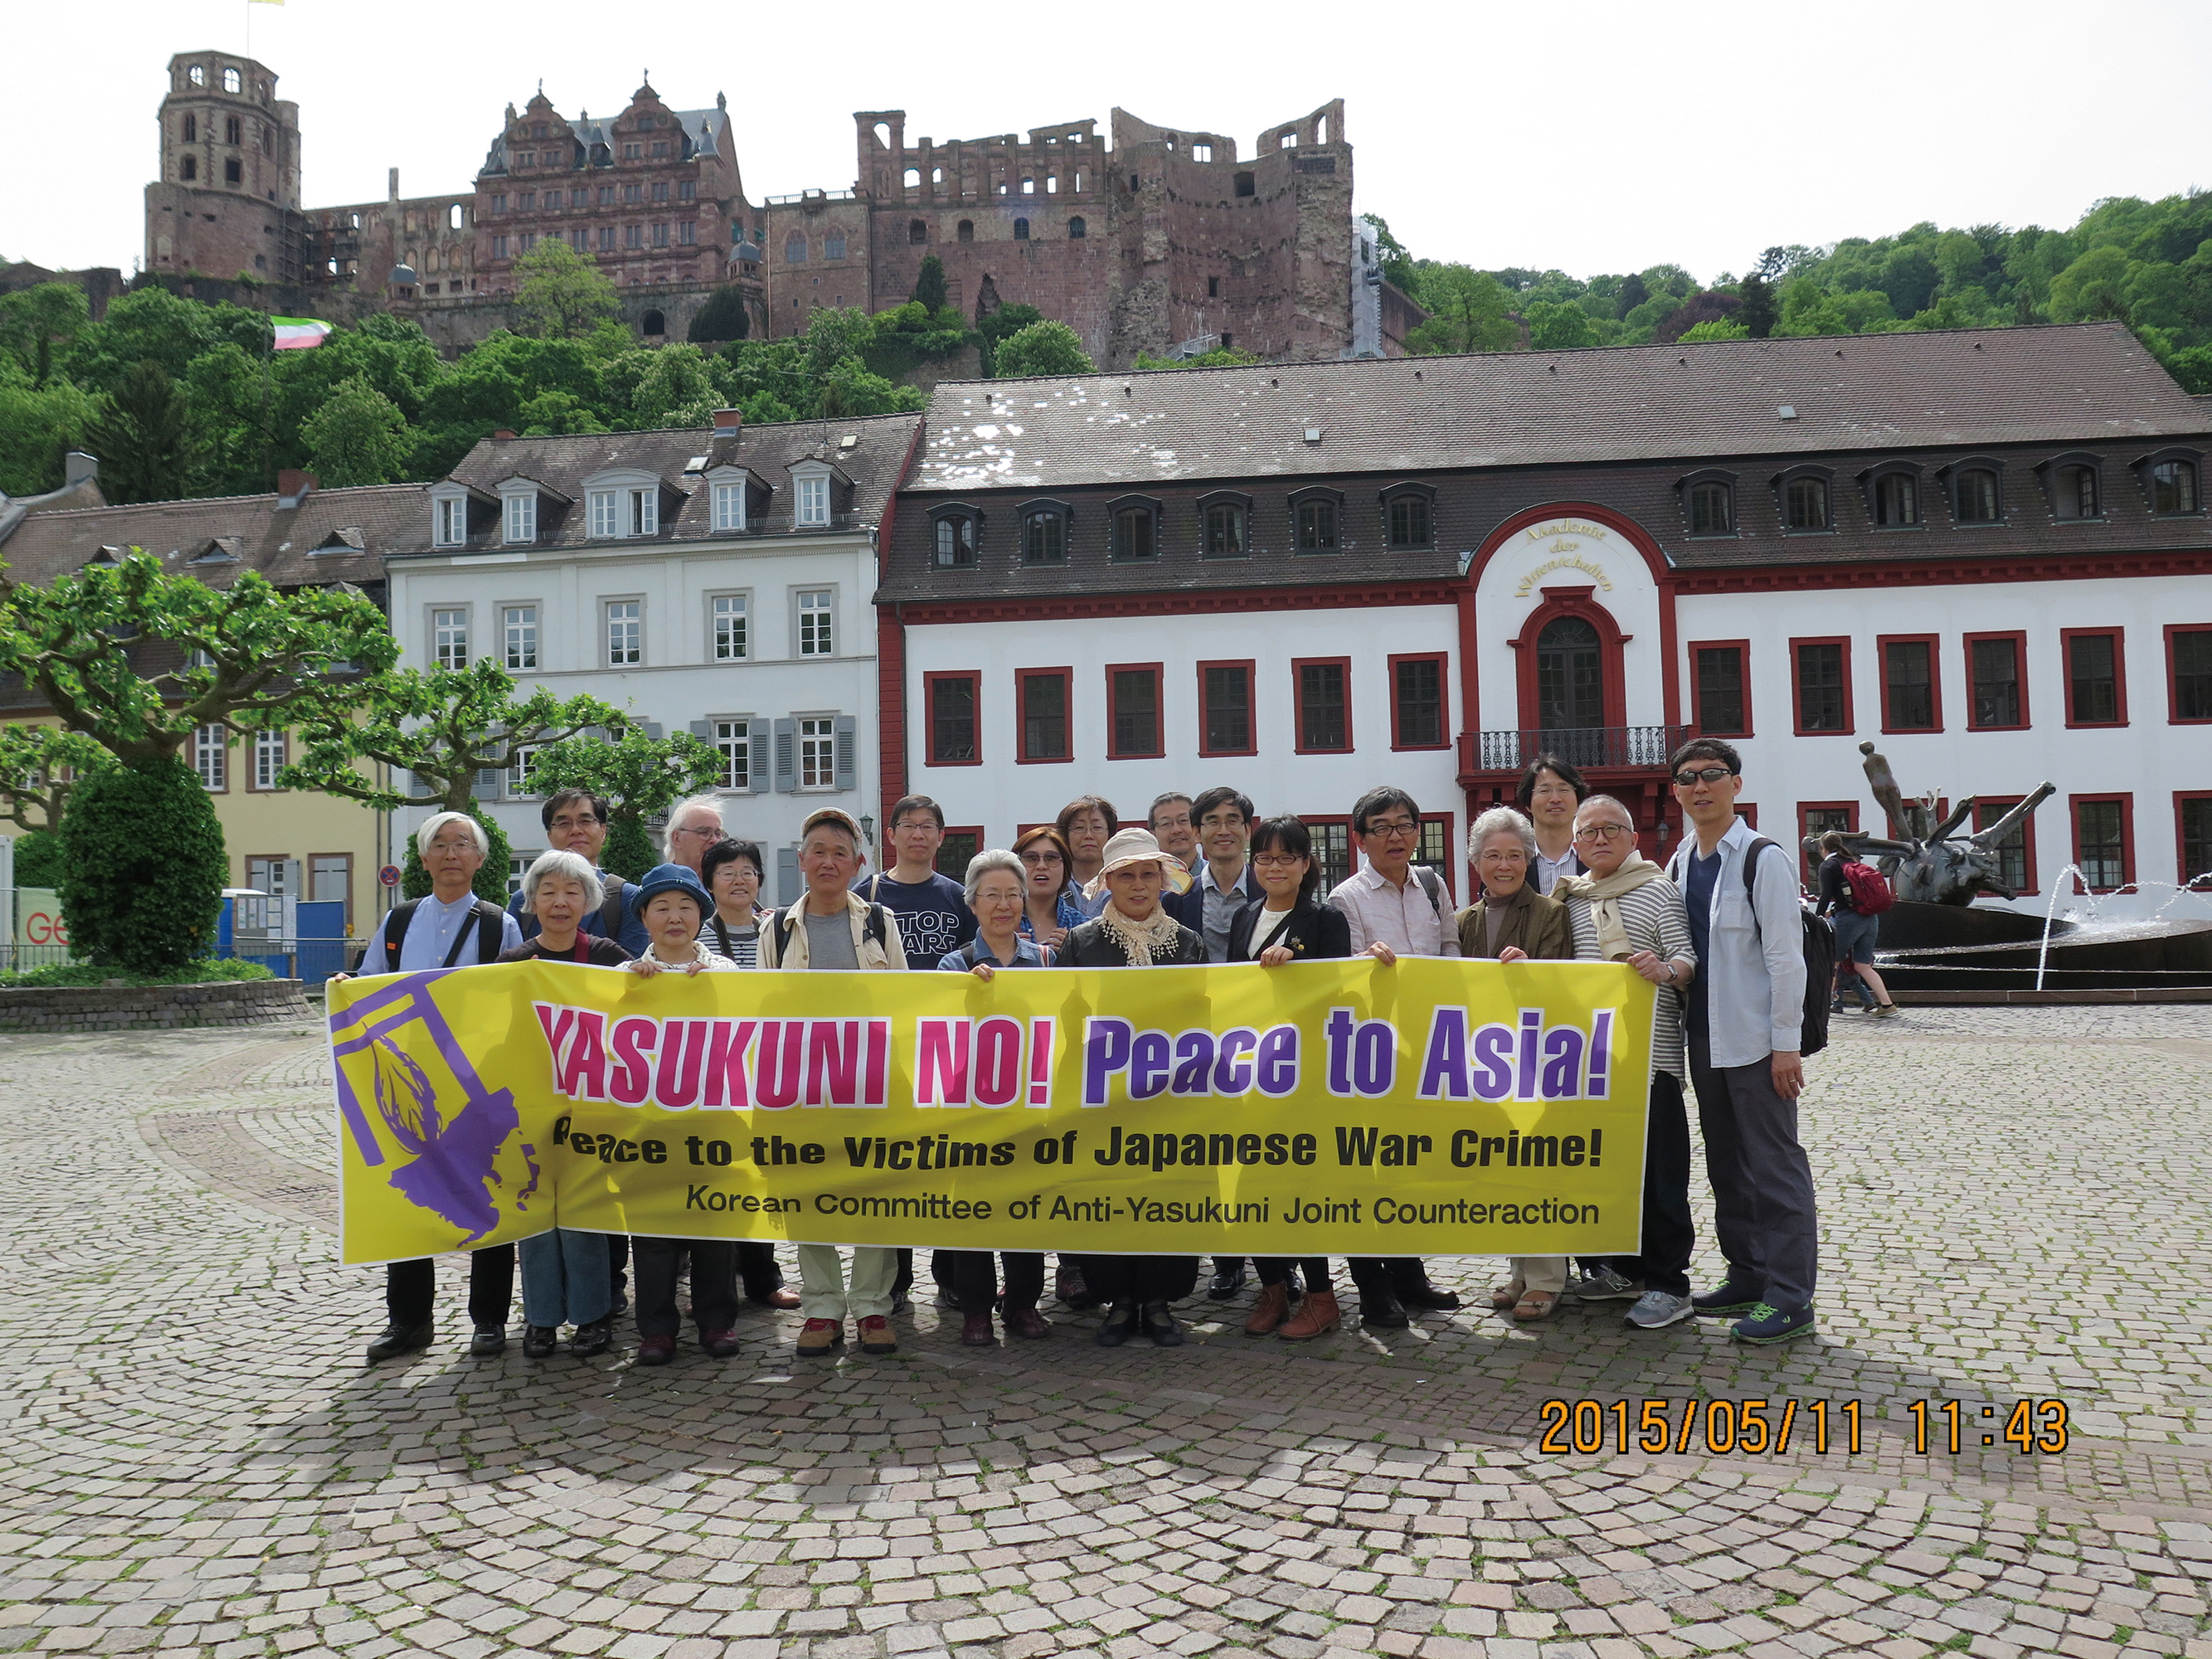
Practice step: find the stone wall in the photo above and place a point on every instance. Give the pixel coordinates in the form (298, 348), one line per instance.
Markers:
(155, 1007)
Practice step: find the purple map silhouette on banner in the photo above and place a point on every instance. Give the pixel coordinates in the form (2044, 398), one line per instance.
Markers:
(454, 1164)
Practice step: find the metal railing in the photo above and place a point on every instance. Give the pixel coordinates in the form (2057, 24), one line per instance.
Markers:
(1586, 748)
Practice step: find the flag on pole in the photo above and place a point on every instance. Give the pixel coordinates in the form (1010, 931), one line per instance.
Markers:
(298, 333)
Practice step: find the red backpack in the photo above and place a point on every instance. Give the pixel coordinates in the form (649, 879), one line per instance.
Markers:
(1870, 894)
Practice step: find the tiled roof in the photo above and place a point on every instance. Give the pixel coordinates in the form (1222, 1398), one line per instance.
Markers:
(2078, 383)
(872, 461)
(358, 526)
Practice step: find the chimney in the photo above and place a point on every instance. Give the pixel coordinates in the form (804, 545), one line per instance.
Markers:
(293, 487)
(503, 433)
(728, 421)
(79, 468)
(392, 188)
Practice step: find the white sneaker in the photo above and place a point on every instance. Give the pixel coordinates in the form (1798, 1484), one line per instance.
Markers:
(1656, 1309)
(1602, 1285)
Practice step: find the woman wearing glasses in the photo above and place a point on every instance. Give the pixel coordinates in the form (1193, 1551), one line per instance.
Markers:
(1051, 904)
(1624, 908)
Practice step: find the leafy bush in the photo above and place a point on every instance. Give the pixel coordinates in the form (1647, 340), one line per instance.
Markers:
(491, 879)
(38, 859)
(62, 974)
(722, 318)
(629, 852)
(143, 866)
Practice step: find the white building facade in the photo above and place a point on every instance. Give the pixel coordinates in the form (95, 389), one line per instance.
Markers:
(715, 582)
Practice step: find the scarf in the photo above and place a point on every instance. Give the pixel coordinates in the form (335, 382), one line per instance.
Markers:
(1139, 940)
(1604, 898)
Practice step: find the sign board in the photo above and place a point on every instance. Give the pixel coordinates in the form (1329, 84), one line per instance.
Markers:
(39, 918)
(389, 875)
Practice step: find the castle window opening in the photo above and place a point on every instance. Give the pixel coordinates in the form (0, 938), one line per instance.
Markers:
(527, 201)
(833, 247)
(912, 179)
(1077, 184)
(1320, 129)
(660, 236)
(1077, 230)
(191, 129)
(688, 233)
(580, 238)
(660, 192)
(1288, 141)
(917, 231)
(688, 190)
(233, 173)
(633, 192)
(527, 158)
(1227, 339)
(1244, 184)
(454, 217)
(1028, 187)
(196, 76)
(937, 175)
(1213, 288)
(230, 133)
(883, 130)
(1135, 183)
(1202, 152)
(606, 195)
(607, 238)
(353, 222)
(966, 233)
(632, 152)
(499, 204)
(268, 142)
(1051, 184)
(654, 323)
(794, 251)
(537, 129)
(191, 167)
(1021, 230)
(230, 80)
(661, 149)
(499, 248)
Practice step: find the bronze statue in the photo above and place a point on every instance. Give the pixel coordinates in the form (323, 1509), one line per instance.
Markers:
(1925, 862)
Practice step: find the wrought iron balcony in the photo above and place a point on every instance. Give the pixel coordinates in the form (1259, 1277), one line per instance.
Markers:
(1588, 749)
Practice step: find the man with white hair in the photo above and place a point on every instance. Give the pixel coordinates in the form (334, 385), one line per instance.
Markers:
(694, 825)
(451, 928)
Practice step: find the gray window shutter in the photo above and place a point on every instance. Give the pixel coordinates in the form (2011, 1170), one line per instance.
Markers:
(788, 888)
(786, 756)
(489, 781)
(403, 780)
(848, 740)
(757, 739)
(652, 730)
(703, 729)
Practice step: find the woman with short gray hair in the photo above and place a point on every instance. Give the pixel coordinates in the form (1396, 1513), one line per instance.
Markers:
(997, 893)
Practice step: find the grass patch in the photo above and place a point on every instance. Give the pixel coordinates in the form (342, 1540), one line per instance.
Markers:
(62, 975)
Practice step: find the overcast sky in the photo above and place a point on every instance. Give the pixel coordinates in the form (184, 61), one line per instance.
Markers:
(1599, 137)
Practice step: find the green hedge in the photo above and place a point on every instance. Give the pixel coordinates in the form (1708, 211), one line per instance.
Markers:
(143, 868)
(62, 975)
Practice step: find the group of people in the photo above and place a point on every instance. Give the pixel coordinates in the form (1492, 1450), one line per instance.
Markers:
(1719, 931)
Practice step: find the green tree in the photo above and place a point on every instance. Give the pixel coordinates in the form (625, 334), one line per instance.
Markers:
(1558, 325)
(39, 425)
(1001, 325)
(143, 438)
(440, 727)
(561, 294)
(640, 776)
(2093, 288)
(38, 767)
(143, 853)
(1713, 329)
(724, 317)
(1466, 313)
(929, 284)
(1046, 348)
(38, 859)
(38, 324)
(492, 876)
(358, 437)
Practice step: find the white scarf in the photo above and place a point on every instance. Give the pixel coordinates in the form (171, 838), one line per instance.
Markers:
(1604, 895)
(1139, 940)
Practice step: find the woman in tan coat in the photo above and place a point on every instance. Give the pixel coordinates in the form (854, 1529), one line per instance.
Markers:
(1514, 922)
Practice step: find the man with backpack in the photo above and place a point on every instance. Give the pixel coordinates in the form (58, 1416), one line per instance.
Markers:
(576, 822)
(1853, 896)
(1746, 1021)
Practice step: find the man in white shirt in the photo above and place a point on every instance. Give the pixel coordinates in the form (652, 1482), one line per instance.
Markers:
(451, 928)
(1551, 793)
(1404, 909)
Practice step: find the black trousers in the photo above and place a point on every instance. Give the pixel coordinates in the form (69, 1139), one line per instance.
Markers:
(1276, 1270)
(757, 1269)
(1403, 1273)
(1140, 1278)
(713, 1284)
(974, 1280)
(1669, 1233)
(1764, 1213)
(940, 1274)
(617, 1259)
(411, 1288)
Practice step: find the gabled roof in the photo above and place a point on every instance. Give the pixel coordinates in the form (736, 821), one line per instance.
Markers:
(2081, 382)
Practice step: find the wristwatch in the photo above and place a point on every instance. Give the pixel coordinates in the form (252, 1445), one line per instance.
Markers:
(1673, 974)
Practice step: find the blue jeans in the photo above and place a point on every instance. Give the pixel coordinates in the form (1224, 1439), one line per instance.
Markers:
(565, 1278)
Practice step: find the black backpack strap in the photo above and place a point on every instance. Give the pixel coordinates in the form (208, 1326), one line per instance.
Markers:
(490, 928)
(876, 927)
(1433, 884)
(721, 933)
(395, 932)
(1751, 855)
(611, 908)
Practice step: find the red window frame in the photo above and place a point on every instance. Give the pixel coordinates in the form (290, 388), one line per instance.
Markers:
(1443, 660)
(1749, 812)
(1313, 821)
(1996, 807)
(2173, 692)
(2019, 637)
(1805, 810)
(2073, 804)
(1796, 688)
(1158, 752)
(1022, 678)
(1251, 705)
(1742, 648)
(2119, 639)
(2180, 797)
(1298, 665)
(930, 682)
(1935, 644)
(982, 841)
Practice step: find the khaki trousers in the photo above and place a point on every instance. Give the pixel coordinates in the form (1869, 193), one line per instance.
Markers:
(826, 1292)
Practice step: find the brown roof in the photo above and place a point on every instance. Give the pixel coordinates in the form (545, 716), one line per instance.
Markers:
(872, 462)
(2079, 383)
(357, 526)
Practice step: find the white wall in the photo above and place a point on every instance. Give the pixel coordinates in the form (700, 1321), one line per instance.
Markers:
(1565, 552)
(2147, 756)
(1000, 795)
(678, 681)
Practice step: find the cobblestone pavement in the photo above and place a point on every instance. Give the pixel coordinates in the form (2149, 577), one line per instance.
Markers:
(197, 1463)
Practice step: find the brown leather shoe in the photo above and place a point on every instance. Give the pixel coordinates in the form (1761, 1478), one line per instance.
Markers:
(1026, 1321)
(776, 1299)
(1317, 1315)
(1272, 1308)
(975, 1331)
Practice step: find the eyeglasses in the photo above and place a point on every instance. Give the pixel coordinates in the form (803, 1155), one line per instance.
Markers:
(567, 823)
(1048, 856)
(712, 832)
(1278, 861)
(1393, 827)
(1603, 832)
(1703, 775)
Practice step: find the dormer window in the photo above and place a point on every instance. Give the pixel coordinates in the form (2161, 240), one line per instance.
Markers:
(1805, 501)
(1135, 534)
(1712, 510)
(1226, 521)
(2173, 488)
(521, 524)
(621, 505)
(2073, 484)
(814, 503)
(1044, 533)
(1975, 496)
(953, 534)
(449, 522)
(1892, 496)
(730, 506)
(1407, 515)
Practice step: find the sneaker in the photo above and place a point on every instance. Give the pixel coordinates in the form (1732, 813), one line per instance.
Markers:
(656, 1350)
(1883, 1010)
(819, 1338)
(1728, 1297)
(1766, 1323)
(1601, 1284)
(1656, 1309)
(875, 1336)
(720, 1344)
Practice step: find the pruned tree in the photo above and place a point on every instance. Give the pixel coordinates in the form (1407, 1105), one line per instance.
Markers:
(640, 776)
(38, 767)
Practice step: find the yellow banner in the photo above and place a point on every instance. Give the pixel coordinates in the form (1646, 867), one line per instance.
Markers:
(1431, 1107)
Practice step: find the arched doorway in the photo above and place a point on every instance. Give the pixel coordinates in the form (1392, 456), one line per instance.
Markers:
(1570, 678)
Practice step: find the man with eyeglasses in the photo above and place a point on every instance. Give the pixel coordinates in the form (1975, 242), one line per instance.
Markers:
(1745, 1020)
(1396, 907)
(1624, 908)
(1174, 827)
(576, 822)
